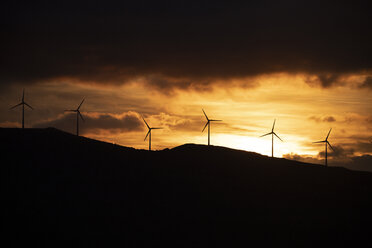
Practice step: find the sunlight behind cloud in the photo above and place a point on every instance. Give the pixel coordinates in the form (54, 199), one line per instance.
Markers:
(303, 113)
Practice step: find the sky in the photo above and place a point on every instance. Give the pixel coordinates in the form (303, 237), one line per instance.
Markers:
(307, 64)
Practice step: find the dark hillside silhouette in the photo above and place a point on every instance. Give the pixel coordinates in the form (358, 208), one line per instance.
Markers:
(61, 190)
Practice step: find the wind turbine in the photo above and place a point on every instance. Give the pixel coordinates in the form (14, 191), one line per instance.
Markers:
(326, 143)
(272, 138)
(209, 126)
(149, 132)
(77, 116)
(23, 103)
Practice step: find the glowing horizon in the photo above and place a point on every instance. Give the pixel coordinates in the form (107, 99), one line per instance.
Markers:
(303, 113)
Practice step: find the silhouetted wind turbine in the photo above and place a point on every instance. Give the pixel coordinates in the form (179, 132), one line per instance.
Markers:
(23, 103)
(326, 143)
(209, 126)
(272, 138)
(149, 132)
(77, 116)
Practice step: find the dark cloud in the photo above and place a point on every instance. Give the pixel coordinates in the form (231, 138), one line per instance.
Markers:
(125, 122)
(338, 152)
(183, 43)
(361, 163)
(303, 158)
(329, 119)
(325, 80)
(346, 155)
(367, 83)
(322, 119)
(364, 146)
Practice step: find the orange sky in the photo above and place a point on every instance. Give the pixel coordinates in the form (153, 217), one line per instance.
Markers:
(248, 106)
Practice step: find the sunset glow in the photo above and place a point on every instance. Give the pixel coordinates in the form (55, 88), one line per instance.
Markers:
(304, 114)
(246, 69)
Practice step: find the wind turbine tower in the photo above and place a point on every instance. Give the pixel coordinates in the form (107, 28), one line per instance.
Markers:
(209, 126)
(23, 103)
(78, 114)
(272, 138)
(326, 143)
(149, 132)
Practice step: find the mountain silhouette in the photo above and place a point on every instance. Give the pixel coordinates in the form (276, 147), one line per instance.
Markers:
(61, 190)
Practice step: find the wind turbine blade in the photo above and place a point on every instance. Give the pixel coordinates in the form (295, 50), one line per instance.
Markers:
(278, 137)
(215, 120)
(145, 122)
(319, 142)
(328, 133)
(70, 110)
(272, 130)
(330, 146)
(23, 95)
(205, 115)
(16, 105)
(157, 128)
(147, 134)
(265, 134)
(81, 116)
(205, 126)
(80, 104)
(28, 105)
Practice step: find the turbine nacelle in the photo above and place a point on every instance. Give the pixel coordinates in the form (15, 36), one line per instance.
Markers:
(149, 132)
(77, 111)
(151, 128)
(78, 114)
(272, 133)
(272, 142)
(326, 145)
(208, 120)
(23, 104)
(326, 140)
(208, 124)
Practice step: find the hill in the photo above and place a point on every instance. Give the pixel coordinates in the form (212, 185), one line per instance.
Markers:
(62, 190)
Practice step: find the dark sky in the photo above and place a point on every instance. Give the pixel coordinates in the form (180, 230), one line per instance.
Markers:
(109, 42)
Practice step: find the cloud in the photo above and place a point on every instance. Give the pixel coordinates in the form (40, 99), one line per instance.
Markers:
(325, 80)
(364, 146)
(361, 163)
(10, 124)
(322, 119)
(183, 44)
(346, 155)
(303, 158)
(339, 152)
(174, 122)
(367, 83)
(97, 122)
(362, 119)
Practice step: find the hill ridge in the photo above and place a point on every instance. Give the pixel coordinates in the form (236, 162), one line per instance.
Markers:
(51, 132)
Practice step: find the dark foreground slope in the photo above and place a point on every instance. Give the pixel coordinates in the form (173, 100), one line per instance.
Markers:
(61, 190)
